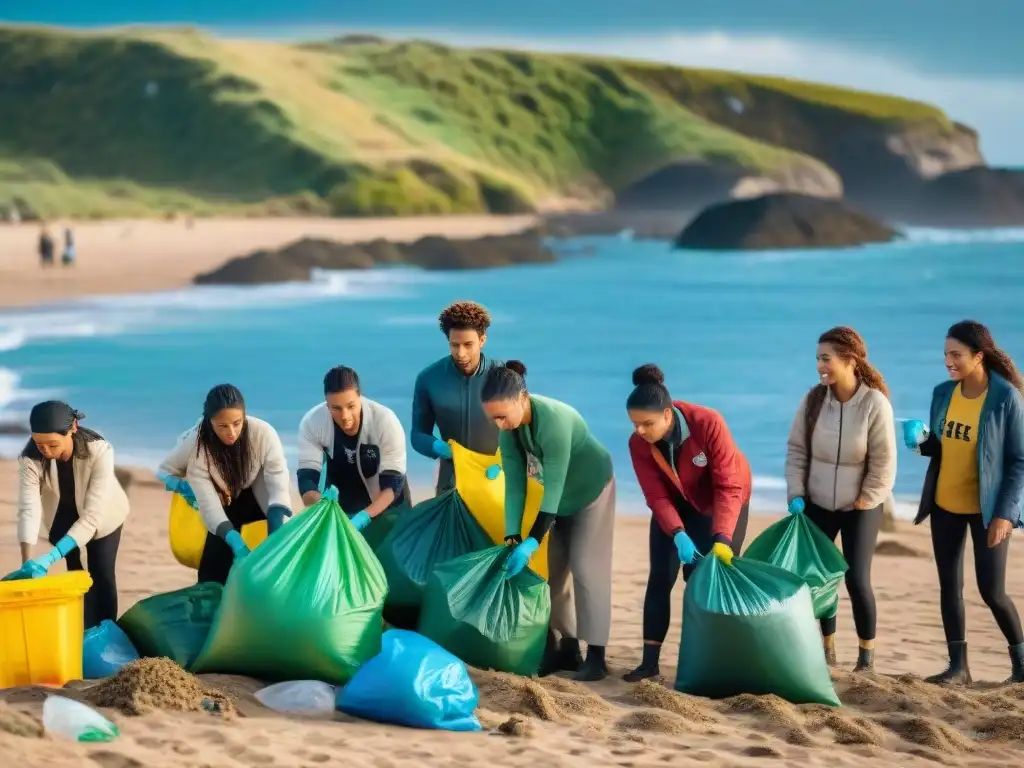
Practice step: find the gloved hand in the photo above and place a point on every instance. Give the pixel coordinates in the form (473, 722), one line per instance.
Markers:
(180, 486)
(234, 540)
(37, 567)
(685, 547)
(796, 505)
(442, 450)
(30, 570)
(360, 520)
(722, 551)
(493, 471)
(520, 557)
(915, 432)
(276, 513)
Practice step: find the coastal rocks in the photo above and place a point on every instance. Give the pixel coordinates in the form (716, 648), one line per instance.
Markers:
(294, 262)
(782, 221)
(974, 197)
(638, 225)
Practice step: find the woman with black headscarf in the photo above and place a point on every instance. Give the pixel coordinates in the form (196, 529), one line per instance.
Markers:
(233, 465)
(67, 480)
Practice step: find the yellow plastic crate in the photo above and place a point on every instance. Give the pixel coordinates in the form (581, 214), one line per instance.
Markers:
(42, 624)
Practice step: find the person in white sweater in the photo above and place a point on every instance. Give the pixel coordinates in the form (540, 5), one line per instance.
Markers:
(233, 464)
(841, 468)
(67, 482)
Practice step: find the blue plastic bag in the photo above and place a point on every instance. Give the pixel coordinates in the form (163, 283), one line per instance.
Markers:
(413, 682)
(105, 650)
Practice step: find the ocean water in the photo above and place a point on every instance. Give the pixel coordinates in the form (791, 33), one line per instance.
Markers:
(734, 331)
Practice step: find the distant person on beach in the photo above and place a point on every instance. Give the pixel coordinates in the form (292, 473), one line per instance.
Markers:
(697, 485)
(67, 481)
(68, 257)
(548, 440)
(841, 469)
(447, 393)
(975, 482)
(234, 466)
(363, 443)
(46, 247)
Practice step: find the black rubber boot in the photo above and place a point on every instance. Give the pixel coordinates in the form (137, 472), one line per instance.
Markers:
(958, 672)
(1016, 664)
(865, 660)
(594, 667)
(648, 668)
(830, 656)
(560, 656)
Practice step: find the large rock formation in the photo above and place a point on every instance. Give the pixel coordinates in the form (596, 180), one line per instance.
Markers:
(782, 221)
(974, 197)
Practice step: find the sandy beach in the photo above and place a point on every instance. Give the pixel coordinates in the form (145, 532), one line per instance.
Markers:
(888, 717)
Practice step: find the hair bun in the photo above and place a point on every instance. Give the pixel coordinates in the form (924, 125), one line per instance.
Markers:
(517, 367)
(648, 373)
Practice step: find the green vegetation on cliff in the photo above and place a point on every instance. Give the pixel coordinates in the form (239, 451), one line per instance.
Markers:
(141, 122)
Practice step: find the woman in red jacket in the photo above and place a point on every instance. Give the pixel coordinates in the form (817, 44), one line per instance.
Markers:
(697, 485)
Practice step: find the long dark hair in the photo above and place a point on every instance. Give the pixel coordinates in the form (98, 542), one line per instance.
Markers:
(233, 462)
(977, 338)
(59, 418)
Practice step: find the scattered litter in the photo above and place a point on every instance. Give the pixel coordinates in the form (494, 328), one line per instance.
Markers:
(298, 696)
(77, 722)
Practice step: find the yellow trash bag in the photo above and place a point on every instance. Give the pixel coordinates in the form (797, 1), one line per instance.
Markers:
(485, 499)
(187, 533)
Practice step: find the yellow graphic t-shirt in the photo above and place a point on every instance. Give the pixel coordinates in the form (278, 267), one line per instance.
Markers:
(957, 487)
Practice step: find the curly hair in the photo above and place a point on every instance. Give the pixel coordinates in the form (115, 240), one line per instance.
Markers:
(464, 316)
(977, 338)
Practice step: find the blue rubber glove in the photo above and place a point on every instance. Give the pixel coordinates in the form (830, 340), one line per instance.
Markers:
(442, 450)
(685, 547)
(30, 570)
(520, 557)
(276, 513)
(238, 547)
(37, 567)
(360, 520)
(493, 471)
(914, 433)
(797, 506)
(180, 486)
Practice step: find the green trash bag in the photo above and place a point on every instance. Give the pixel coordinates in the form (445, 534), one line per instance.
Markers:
(799, 546)
(750, 628)
(381, 526)
(173, 625)
(489, 621)
(304, 605)
(434, 531)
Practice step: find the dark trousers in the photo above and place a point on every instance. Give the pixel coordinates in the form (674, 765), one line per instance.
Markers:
(101, 599)
(217, 558)
(664, 569)
(949, 537)
(859, 530)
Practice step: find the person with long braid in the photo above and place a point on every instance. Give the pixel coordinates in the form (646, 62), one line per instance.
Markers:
(841, 468)
(975, 482)
(234, 466)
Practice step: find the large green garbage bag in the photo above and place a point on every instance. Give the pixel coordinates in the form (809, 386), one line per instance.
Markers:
(434, 531)
(471, 609)
(304, 605)
(750, 628)
(380, 526)
(174, 625)
(799, 546)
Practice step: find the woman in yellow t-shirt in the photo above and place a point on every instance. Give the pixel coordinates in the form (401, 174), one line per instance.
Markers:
(975, 482)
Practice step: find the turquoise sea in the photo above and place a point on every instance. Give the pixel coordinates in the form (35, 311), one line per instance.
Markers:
(734, 331)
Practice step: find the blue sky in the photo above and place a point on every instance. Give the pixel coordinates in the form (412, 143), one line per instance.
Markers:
(964, 56)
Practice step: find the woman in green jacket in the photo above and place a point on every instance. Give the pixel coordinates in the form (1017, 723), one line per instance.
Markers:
(549, 441)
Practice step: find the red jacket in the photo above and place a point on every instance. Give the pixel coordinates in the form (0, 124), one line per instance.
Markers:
(710, 473)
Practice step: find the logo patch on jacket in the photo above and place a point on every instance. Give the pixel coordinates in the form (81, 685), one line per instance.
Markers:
(700, 460)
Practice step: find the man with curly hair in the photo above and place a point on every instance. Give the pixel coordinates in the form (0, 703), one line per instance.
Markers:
(447, 393)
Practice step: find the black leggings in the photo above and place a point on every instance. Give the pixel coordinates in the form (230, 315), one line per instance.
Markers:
(217, 558)
(665, 565)
(949, 535)
(859, 529)
(101, 599)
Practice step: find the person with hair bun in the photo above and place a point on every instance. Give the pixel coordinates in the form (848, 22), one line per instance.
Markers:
(974, 482)
(697, 485)
(66, 480)
(841, 468)
(364, 445)
(549, 441)
(233, 464)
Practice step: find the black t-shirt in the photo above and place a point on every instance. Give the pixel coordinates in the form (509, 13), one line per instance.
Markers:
(67, 508)
(343, 473)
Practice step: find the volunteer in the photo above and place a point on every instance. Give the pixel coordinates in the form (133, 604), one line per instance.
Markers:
(447, 393)
(841, 468)
(234, 466)
(974, 482)
(549, 441)
(364, 445)
(697, 485)
(66, 479)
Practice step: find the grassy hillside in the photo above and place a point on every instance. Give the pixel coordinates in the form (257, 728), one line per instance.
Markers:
(139, 122)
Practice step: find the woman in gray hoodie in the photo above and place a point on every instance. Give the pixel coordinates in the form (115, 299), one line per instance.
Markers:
(841, 468)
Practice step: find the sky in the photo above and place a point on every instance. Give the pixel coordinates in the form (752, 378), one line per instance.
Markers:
(965, 57)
